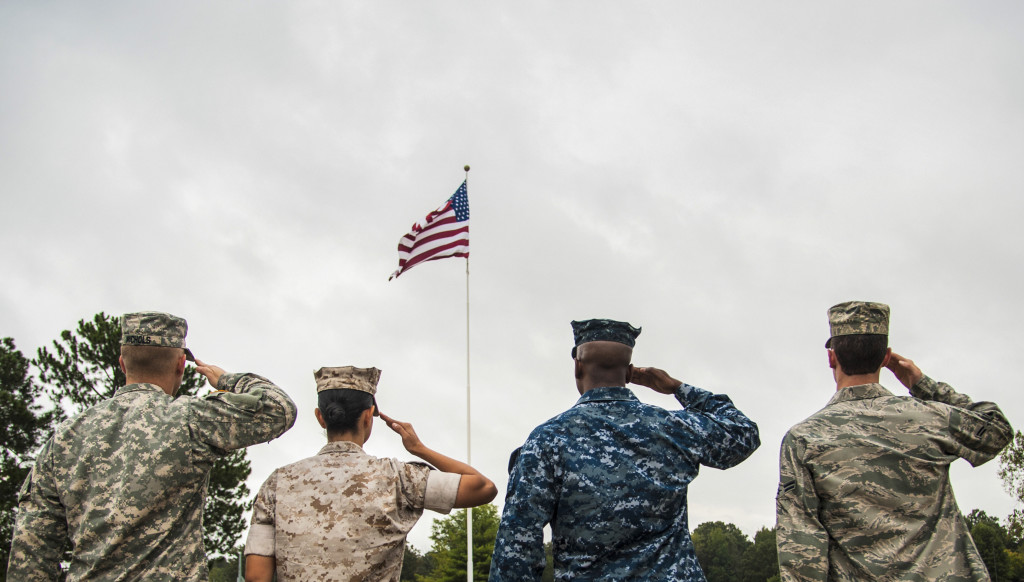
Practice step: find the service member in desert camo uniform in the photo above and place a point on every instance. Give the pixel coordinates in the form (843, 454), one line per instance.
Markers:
(125, 480)
(343, 514)
(864, 491)
(611, 473)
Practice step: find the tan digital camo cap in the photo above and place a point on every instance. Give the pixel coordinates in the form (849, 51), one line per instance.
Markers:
(349, 378)
(857, 318)
(153, 328)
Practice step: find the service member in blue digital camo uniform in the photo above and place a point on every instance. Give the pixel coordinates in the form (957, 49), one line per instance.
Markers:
(125, 481)
(610, 474)
(864, 491)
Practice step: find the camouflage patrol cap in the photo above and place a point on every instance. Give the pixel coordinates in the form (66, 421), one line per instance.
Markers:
(349, 378)
(153, 328)
(857, 318)
(606, 330)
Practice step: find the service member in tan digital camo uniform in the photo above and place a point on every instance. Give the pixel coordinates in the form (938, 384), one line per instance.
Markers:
(125, 481)
(864, 491)
(344, 514)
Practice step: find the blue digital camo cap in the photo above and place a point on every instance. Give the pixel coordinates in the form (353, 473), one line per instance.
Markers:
(603, 330)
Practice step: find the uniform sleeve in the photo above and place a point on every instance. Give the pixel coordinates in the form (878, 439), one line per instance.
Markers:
(731, 436)
(529, 506)
(40, 530)
(423, 487)
(442, 489)
(261, 540)
(977, 430)
(801, 538)
(248, 410)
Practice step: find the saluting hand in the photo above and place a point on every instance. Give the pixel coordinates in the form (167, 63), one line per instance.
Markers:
(410, 440)
(212, 373)
(654, 378)
(904, 369)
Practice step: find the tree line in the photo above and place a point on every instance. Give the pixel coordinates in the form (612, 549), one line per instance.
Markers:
(80, 368)
(725, 553)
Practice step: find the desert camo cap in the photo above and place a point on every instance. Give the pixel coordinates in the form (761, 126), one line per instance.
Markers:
(607, 330)
(154, 328)
(349, 378)
(857, 318)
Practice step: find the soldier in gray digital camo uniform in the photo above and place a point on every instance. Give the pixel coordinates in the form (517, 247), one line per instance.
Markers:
(343, 514)
(125, 481)
(864, 491)
(610, 475)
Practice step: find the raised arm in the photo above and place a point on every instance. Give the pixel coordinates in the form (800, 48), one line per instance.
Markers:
(978, 430)
(474, 488)
(731, 436)
(246, 410)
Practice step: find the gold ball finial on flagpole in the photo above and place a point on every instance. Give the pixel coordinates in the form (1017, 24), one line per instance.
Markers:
(466, 168)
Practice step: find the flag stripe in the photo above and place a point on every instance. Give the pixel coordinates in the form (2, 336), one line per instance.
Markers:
(455, 249)
(443, 233)
(426, 240)
(434, 248)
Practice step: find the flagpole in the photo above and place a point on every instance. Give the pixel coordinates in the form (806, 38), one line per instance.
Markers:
(469, 431)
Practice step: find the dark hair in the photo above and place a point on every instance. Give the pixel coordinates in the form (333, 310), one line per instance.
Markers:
(150, 360)
(341, 408)
(861, 353)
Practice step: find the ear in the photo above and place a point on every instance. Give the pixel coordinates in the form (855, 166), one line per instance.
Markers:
(320, 418)
(833, 362)
(885, 360)
(577, 369)
(366, 418)
(180, 370)
(120, 363)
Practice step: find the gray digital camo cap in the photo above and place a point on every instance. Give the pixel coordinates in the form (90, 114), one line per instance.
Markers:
(857, 318)
(607, 330)
(349, 378)
(153, 328)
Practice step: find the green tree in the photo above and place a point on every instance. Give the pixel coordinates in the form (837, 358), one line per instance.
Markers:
(448, 549)
(82, 369)
(720, 547)
(225, 568)
(760, 560)
(990, 538)
(1011, 471)
(25, 425)
(414, 564)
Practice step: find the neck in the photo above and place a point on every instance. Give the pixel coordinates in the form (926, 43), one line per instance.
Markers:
(168, 385)
(585, 387)
(351, 437)
(843, 381)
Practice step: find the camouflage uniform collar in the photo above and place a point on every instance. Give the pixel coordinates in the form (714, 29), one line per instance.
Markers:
(140, 387)
(859, 392)
(608, 394)
(340, 447)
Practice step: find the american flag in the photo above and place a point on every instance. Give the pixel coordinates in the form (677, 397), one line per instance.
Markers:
(443, 233)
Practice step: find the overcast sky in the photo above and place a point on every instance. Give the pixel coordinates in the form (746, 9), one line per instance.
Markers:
(717, 173)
